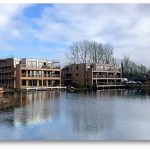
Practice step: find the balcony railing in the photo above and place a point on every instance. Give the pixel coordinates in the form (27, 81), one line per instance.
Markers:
(102, 83)
(99, 76)
(42, 67)
(113, 76)
(113, 70)
(105, 76)
(109, 83)
(41, 76)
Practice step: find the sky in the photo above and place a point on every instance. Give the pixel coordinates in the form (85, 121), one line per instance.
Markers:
(48, 30)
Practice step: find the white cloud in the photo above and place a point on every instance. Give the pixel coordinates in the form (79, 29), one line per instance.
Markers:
(124, 26)
(9, 16)
(8, 12)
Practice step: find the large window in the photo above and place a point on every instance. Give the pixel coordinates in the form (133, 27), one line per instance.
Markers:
(32, 82)
(23, 82)
(32, 64)
(40, 83)
(24, 72)
(49, 83)
(44, 82)
(40, 64)
(107, 68)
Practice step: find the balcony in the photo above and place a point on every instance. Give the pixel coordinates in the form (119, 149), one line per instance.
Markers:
(102, 83)
(113, 76)
(105, 76)
(42, 67)
(99, 76)
(41, 76)
(109, 83)
(106, 70)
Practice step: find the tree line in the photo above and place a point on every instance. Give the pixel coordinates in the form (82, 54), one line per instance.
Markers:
(134, 71)
(94, 52)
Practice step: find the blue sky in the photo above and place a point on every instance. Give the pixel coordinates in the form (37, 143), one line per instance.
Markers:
(47, 30)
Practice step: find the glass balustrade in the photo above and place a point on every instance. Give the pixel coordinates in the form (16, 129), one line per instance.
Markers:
(37, 75)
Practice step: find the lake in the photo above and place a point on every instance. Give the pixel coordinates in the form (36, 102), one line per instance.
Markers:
(60, 115)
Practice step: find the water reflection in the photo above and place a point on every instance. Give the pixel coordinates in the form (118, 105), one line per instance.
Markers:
(93, 113)
(106, 114)
(31, 108)
(87, 113)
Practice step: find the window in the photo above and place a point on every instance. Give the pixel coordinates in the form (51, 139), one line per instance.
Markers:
(23, 82)
(44, 82)
(30, 83)
(49, 83)
(34, 82)
(40, 82)
(77, 74)
(77, 67)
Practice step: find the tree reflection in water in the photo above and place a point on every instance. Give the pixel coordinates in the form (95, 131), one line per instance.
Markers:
(92, 113)
(54, 115)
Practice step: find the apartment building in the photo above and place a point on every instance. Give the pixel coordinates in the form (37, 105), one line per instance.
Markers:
(8, 72)
(104, 74)
(75, 74)
(29, 73)
(91, 75)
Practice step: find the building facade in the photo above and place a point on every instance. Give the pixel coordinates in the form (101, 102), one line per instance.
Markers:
(75, 74)
(29, 73)
(91, 75)
(8, 72)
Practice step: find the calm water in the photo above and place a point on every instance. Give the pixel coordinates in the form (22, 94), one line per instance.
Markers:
(102, 115)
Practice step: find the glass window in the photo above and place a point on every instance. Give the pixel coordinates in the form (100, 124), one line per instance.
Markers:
(23, 82)
(40, 82)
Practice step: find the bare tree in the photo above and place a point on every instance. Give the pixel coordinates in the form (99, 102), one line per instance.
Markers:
(90, 52)
(94, 52)
(116, 62)
(133, 71)
(74, 53)
(79, 52)
(108, 53)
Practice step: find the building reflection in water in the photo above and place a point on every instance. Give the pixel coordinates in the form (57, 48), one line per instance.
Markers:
(89, 115)
(92, 113)
(84, 112)
(31, 108)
